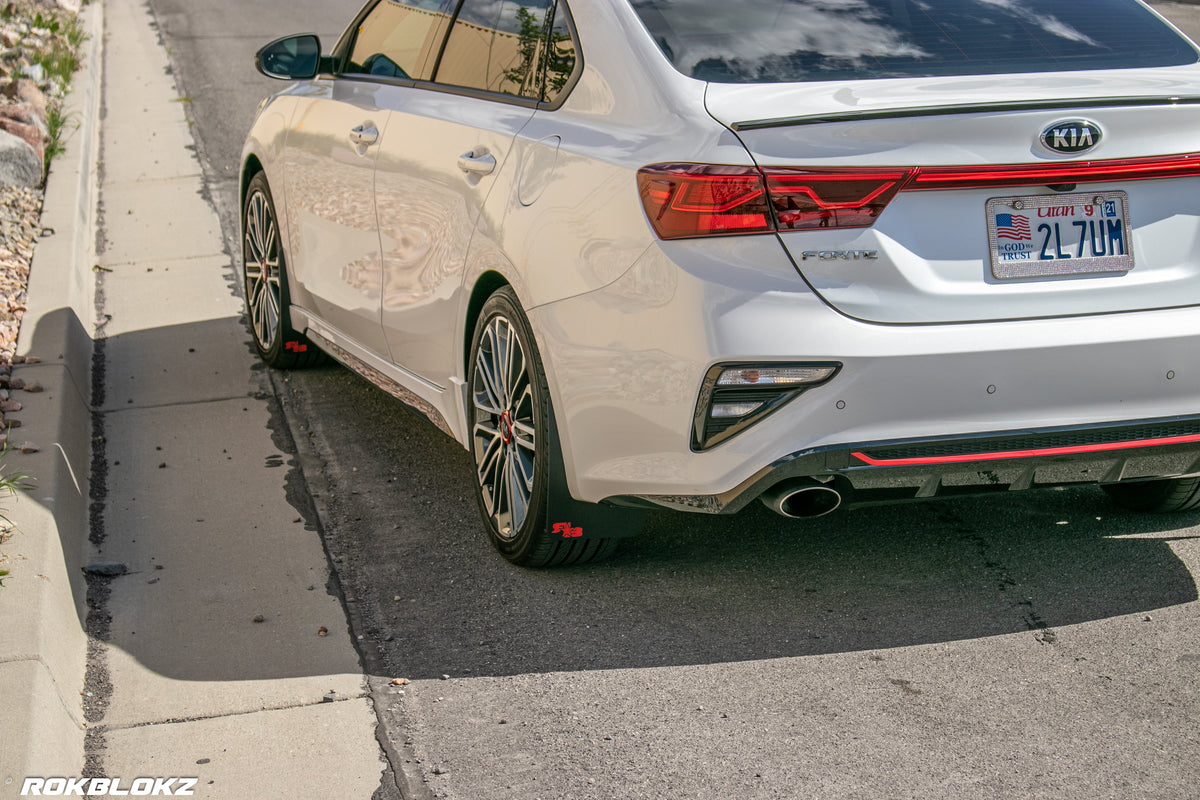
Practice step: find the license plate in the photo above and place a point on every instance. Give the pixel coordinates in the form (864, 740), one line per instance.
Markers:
(1062, 234)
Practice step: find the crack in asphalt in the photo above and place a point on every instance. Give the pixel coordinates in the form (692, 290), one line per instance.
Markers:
(1001, 576)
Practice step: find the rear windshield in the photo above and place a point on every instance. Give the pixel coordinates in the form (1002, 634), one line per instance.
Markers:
(775, 41)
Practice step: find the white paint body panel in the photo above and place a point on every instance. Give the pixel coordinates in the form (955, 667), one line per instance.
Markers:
(329, 206)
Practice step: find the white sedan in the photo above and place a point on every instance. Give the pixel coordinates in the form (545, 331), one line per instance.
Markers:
(693, 253)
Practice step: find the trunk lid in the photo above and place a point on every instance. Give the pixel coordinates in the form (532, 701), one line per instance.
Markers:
(942, 255)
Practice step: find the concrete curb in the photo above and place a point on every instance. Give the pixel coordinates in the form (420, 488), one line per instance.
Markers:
(43, 646)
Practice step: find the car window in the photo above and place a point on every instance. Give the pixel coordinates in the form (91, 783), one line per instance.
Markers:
(514, 47)
(771, 41)
(558, 62)
(399, 39)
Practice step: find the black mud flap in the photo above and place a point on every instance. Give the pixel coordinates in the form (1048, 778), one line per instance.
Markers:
(576, 519)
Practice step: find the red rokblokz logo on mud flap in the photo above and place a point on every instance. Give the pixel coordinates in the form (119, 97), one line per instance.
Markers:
(566, 530)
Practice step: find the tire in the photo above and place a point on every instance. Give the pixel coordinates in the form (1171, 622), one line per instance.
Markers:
(1158, 497)
(264, 279)
(510, 418)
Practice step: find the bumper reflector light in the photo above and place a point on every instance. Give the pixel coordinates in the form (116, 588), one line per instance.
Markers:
(774, 376)
(734, 410)
(735, 396)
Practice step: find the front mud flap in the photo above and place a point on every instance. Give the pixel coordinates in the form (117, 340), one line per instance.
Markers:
(569, 518)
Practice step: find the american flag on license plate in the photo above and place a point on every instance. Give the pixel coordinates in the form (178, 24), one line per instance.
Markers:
(1012, 226)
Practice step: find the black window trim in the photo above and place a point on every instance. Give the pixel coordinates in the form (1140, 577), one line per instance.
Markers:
(577, 70)
(437, 62)
(345, 46)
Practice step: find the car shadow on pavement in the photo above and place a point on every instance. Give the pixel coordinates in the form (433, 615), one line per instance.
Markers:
(200, 566)
(240, 591)
(431, 598)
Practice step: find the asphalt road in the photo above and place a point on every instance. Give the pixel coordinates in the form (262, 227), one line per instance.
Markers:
(1044, 645)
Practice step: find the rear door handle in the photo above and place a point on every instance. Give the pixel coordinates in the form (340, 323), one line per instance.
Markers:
(364, 135)
(477, 165)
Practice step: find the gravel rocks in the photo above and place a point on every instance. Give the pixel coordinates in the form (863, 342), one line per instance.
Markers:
(37, 41)
(20, 210)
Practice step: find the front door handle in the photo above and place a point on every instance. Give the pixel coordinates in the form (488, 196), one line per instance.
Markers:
(364, 135)
(477, 164)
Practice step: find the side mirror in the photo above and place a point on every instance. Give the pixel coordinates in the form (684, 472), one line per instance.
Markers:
(292, 58)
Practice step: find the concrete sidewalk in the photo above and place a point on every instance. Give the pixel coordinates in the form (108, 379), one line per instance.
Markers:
(205, 658)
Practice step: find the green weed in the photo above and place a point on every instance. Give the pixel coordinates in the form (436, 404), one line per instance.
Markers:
(75, 34)
(58, 128)
(10, 483)
(60, 63)
(50, 23)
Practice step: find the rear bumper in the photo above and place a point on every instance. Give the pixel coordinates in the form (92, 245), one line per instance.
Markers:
(897, 471)
(626, 364)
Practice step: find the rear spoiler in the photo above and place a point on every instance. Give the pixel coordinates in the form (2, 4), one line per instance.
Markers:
(970, 108)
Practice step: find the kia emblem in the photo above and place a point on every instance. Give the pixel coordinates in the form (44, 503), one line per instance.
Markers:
(1072, 136)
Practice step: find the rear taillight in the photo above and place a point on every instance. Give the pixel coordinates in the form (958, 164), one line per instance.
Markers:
(831, 198)
(685, 200)
(688, 200)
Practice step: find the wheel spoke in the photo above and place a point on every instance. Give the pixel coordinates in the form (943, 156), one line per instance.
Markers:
(524, 466)
(488, 457)
(518, 376)
(269, 244)
(251, 256)
(266, 315)
(511, 364)
(487, 393)
(502, 512)
(518, 499)
(523, 435)
(254, 224)
(271, 303)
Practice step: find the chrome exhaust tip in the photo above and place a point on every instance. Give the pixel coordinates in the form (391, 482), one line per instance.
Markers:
(801, 499)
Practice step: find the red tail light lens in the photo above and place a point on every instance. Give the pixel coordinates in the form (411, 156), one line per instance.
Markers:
(1124, 169)
(686, 200)
(689, 200)
(841, 198)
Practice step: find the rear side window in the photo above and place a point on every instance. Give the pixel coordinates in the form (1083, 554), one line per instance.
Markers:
(775, 41)
(557, 59)
(399, 39)
(516, 47)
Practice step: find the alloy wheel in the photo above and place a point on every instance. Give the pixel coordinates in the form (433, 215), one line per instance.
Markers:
(261, 265)
(504, 427)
